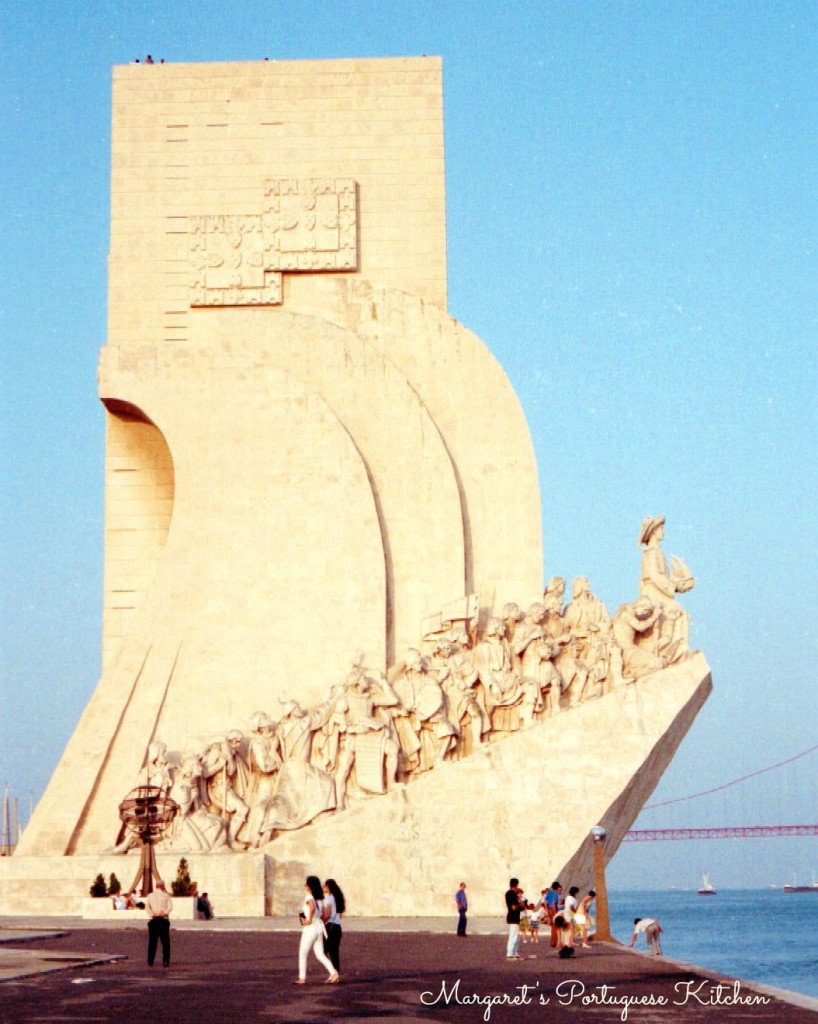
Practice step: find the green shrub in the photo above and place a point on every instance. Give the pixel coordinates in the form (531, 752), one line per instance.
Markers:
(182, 885)
(114, 885)
(99, 887)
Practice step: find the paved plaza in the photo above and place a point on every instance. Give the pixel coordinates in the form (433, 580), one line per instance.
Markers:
(242, 971)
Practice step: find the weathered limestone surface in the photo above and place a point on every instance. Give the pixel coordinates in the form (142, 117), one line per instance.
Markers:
(459, 822)
(473, 821)
(58, 886)
(296, 470)
(307, 457)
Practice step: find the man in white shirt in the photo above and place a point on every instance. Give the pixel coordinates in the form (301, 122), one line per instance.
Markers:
(652, 930)
(158, 906)
(569, 910)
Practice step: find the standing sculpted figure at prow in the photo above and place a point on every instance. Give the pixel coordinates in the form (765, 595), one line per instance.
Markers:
(660, 583)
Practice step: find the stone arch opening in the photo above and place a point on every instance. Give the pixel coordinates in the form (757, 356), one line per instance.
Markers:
(139, 496)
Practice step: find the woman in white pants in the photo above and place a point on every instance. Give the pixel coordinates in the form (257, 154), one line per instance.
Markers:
(313, 932)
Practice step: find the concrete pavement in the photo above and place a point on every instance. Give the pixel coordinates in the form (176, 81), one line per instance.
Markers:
(243, 970)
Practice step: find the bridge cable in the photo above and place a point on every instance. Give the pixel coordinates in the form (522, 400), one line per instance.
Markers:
(734, 782)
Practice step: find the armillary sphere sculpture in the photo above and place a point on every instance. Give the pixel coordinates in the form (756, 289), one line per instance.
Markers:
(147, 812)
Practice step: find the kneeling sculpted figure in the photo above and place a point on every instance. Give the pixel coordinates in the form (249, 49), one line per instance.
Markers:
(631, 624)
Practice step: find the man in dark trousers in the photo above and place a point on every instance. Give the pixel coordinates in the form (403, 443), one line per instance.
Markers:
(158, 906)
(462, 907)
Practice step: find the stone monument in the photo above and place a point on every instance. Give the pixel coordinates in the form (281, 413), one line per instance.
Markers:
(322, 522)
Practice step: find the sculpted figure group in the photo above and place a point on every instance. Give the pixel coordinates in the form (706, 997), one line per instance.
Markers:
(456, 691)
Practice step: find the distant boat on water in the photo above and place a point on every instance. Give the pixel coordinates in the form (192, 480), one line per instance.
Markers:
(706, 888)
(795, 887)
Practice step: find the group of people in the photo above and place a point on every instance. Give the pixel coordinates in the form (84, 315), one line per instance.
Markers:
(567, 918)
(126, 901)
(321, 929)
(320, 918)
(129, 901)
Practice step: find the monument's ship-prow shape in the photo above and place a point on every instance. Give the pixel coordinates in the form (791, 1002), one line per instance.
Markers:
(304, 456)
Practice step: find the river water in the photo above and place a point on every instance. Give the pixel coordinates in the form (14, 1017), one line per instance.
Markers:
(762, 935)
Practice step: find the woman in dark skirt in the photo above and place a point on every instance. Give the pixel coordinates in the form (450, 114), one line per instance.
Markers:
(334, 906)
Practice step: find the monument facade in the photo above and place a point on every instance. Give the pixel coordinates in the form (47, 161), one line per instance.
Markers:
(326, 633)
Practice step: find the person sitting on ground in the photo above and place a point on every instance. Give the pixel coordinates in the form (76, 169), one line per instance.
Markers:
(204, 907)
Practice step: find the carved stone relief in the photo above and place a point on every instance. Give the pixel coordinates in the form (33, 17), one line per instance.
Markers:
(310, 225)
(453, 693)
(227, 263)
(306, 226)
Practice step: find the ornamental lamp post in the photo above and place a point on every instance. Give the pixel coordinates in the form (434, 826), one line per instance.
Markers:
(603, 920)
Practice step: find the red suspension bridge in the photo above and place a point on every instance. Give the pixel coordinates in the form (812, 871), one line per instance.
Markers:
(643, 835)
(646, 835)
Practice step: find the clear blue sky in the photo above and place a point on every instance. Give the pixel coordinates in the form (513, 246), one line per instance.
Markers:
(632, 207)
